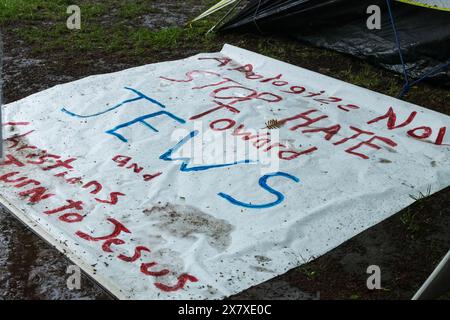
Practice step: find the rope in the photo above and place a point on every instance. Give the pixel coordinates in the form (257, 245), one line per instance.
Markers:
(407, 85)
(431, 72)
(254, 17)
(224, 17)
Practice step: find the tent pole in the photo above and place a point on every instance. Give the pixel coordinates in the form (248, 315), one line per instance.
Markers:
(437, 283)
(406, 86)
(224, 17)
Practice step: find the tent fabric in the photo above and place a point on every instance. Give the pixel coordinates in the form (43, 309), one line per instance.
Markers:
(433, 4)
(341, 25)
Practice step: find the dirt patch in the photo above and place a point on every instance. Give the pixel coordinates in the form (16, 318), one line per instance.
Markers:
(262, 259)
(32, 269)
(406, 250)
(166, 14)
(188, 222)
(277, 289)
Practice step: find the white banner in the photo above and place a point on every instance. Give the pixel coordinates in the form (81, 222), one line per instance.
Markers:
(202, 177)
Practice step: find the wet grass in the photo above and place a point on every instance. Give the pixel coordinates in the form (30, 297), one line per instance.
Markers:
(371, 77)
(408, 216)
(32, 10)
(47, 31)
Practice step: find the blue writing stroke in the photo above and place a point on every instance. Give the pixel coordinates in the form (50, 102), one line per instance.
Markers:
(263, 184)
(167, 156)
(140, 96)
(141, 120)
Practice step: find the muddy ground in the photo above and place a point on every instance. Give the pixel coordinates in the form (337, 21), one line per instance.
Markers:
(39, 52)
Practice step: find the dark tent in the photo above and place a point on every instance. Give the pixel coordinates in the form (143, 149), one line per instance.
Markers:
(423, 33)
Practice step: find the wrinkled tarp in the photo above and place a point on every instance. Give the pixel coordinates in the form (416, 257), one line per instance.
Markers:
(341, 25)
(141, 176)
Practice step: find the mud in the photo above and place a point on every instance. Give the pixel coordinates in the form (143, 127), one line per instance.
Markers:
(167, 14)
(277, 289)
(187, 222)
(32, 269)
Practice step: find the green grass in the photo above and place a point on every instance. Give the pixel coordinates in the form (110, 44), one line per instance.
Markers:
(122, 34)
(28, 10)
(355, 296)
(308, 272)
(408, 219)
(371, 77)
(129, 10)
(408, 216)
(91, 10)
(119, 39)
(35, 10)
(421, 195)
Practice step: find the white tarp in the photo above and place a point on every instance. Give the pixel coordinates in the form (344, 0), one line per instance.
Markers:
(149, 178)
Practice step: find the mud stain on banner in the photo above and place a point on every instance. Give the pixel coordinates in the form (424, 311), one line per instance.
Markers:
(186, 222)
